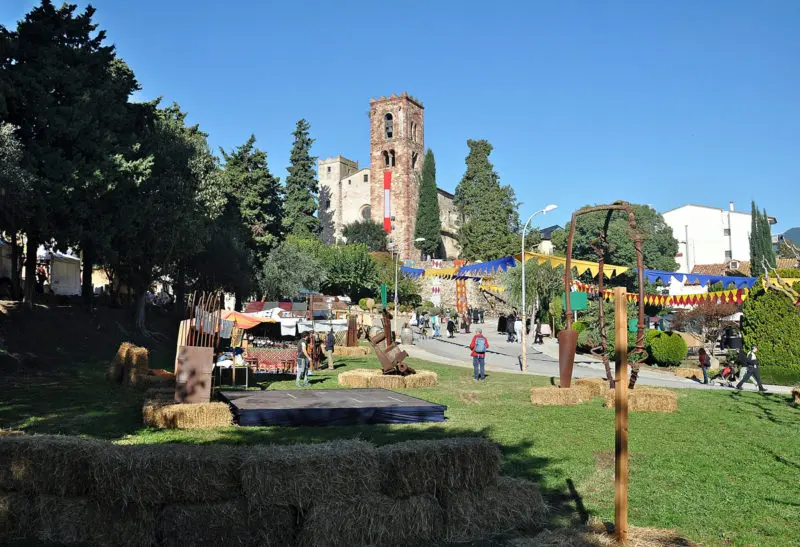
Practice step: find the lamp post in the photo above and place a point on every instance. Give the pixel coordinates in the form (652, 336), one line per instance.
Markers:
(524, 304)
(396, 264)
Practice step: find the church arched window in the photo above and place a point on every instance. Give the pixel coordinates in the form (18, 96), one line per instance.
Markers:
(386, 159)
(388, 125)
(391, 158)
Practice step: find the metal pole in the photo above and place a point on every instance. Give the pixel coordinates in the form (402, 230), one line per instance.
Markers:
(621, 413)
(395, 292)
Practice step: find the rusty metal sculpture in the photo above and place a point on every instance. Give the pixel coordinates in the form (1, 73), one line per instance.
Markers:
(389, 354)
(601, 247)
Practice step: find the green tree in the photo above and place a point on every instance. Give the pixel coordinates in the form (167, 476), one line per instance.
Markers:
(259, 197)
(325, 215)
(489, 222)
(408, 290)
(429, 223)
(366, 232)
(289, 269)
(658, 248)
(301, 186)
(771, 321)
(761, 249)
(15, 198)
(350, 270)
(543, 284)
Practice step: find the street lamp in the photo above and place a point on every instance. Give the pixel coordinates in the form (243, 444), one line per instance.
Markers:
(397, 270)
(524, 304)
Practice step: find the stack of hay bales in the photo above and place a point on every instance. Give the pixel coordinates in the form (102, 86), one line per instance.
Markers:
(364, 377)
(116, 368)
(591, 387)
(690, 373)
(73, 490)
(355, 351)
(131, 365)
(160, 410)
(647, 399)
(796, 395)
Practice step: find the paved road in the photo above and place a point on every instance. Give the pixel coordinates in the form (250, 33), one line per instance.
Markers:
(542, 360)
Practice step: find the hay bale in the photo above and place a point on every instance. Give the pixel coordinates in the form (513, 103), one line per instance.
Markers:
(16, 510)
(348, 351)
(357, 377)
(186, 416)
(647, 399)
(438, 466)
(224, 523)
(591, 387)
(374, 520)
(796, 395)
(510, 504)
(423, 378)
(301, 474)
(690, 373)
(165, 394)
(140, 359)
(117, 364)
(172, 473)
(556, 396)
(53, 464)
(85, 521)
(390, 381)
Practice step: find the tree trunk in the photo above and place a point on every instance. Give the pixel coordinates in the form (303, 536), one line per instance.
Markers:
(30, 273)
(87, 290)
(141, 319)
(179, 286)
(16, 267)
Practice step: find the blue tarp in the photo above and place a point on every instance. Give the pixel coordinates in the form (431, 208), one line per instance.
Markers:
(411, 273)
(487, 268)
(739, 282)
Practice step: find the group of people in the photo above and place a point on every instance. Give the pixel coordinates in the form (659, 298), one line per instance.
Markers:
(513, 328)
(309, 351)
(749, 366)
(453, 323)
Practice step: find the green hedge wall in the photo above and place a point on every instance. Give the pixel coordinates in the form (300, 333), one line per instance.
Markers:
(772, 322)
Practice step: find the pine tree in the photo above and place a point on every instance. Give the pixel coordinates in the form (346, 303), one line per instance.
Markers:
(488, 211)
(258, 196)
(769, 250)
(429, 224)
(326, 234)
(301, 187)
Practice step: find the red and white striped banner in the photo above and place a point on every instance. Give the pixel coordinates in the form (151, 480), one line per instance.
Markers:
(387, 204)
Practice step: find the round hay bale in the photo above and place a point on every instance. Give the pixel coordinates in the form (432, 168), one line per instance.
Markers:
(186, 416)
(390, 381)
(117, 364)
(290, 475)
(422, 378)
(375, 520)
(796, 395)
(690, 373)
(591, 387)
(647, 399)
(140, 359)
(412, 468)
(556, 396)
(357, 378)
(510, 504)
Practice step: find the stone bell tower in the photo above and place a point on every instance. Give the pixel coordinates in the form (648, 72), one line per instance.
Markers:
(397, 149)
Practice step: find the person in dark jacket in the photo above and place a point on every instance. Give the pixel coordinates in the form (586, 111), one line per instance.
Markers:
(330, 343)
(704, 363)
(451, 327)
(510, 320)
(751, 369)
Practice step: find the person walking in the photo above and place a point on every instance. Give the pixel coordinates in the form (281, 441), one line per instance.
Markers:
(467, 318)
(435, 326)
(479, 345)
(518, 328)
(510, 320)
(537, 337)
(303, 360)
(330, 344)
(451, 327)
(704, 363)
(751, 365)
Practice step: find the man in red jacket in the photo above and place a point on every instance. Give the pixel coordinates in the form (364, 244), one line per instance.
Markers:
(479, 345)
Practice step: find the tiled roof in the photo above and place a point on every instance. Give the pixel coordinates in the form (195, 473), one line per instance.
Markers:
(743, 269)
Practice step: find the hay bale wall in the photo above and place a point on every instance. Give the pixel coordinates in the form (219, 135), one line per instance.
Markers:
(591, 387)
(362, 377)
(387, 382)
(168, 415)
(354, 351)
(81, 491)
(647, 399)
(557, 396)
(423, 378)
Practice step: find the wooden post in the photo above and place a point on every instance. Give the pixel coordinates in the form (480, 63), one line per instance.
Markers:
(621, 406)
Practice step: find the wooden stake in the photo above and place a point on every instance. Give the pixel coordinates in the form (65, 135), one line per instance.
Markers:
(621, 406)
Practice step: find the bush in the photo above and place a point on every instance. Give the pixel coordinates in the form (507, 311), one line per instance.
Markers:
(788, 273)
(362, 303)
(772, 322)
(579, 326)
(665, 348)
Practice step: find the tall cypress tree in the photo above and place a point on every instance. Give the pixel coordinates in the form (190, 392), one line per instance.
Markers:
(301, 187)
(755, 239)
(429, 223)
(325, 214)
(769, 251)
(487, 210)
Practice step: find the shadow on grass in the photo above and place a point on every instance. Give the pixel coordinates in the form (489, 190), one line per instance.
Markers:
(773, 407)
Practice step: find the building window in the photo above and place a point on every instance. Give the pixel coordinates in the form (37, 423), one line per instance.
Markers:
(726, 232)
(728, 255)
(413, 131)
(413, 160)
(329, 169)
(388, 125)
(366, 177)
(391, 157)
(386, 159)
(366, 212)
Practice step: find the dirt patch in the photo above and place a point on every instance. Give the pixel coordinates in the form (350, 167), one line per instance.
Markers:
(469, 397)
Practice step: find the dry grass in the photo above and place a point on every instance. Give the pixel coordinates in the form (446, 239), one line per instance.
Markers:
(117, 364)
(172, 473)
(52, 464)
(186, 416)
(387, 382)
(224, 523)
(358, 377)
(423, 378)
(346, 351)
(301, 474)
(510, 504)
(647, 399)
(140, 359)
(374, 520)
(556, 396)
(436, 467)
(690, 373)
(597, 534)
(591, 387)
(796, 395)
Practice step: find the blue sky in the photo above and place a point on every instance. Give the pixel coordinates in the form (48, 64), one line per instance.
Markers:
(662, 103)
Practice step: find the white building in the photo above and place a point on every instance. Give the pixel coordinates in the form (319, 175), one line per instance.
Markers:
(707, 235)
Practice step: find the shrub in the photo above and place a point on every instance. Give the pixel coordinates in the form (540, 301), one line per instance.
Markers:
(579, 326)
(772, 322)
(788, 273)
(665, 348)
(362, 303)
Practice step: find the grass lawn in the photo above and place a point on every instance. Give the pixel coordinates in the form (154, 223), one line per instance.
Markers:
(723, 470)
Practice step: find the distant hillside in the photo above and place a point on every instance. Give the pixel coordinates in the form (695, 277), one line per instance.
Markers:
(793, 235)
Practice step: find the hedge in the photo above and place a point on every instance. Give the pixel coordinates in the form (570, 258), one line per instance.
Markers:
(665, 348)
(788, 273)
(772, 322)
